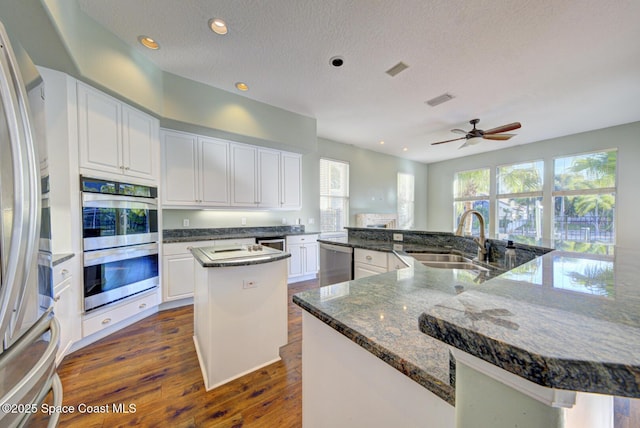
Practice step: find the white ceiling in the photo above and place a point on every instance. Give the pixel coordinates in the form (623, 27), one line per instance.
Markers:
(557, 66)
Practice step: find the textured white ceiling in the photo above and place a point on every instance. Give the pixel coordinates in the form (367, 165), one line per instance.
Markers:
(557, 66)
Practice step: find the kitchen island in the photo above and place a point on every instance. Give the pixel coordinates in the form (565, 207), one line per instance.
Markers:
(380, 315)
(240, 309)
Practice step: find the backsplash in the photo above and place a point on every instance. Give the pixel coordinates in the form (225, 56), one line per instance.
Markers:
(466, 245)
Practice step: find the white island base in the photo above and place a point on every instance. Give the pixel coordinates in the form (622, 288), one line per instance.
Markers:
(240, 318)
(343, 385)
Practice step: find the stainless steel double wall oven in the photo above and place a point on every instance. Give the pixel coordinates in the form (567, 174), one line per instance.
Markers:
(120, 238)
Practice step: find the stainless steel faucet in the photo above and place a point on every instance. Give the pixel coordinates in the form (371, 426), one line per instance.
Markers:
(481, 241)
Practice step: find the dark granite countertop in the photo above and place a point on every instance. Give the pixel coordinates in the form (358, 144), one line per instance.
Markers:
(61, 258)
(242, 258)
(565, 320)
(209, 234)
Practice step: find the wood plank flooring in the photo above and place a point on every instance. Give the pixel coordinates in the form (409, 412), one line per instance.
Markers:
(152, 366)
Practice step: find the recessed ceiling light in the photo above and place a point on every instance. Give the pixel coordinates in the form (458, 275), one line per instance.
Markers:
(218, 26)
(381, 142)
(337, 61)
(242, 86)
(148, 42)
(404, 149)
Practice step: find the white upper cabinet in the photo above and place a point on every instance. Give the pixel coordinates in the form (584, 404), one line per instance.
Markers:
(195, 170)
(244, 173)
(203, 172)
(214, 170)
(268, 178)
(115, 138)
(180, 171)
(291, 180)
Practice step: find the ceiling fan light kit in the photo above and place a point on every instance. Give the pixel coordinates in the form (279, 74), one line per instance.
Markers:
(476, 135)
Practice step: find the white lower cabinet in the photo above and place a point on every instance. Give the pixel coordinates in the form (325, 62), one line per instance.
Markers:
(368, 263)
(66, 306)
(303, 263)
(177, 266)
(101, 319)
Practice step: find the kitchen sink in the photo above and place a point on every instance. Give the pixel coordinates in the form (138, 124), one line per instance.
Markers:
(447, 261)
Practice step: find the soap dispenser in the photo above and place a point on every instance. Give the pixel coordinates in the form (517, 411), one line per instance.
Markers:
(510, 256)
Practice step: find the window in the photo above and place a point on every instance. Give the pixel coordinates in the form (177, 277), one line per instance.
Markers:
(471, 192)
(519, 201)
(584, 197)
(334, 195)
(406, 190)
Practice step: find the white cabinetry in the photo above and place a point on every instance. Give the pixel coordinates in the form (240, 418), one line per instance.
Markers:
(244, 173)
(290, 180)
(66, 306)
(268, 183)
(206, 172)
(115, 138)
(101, 319)
(368, 263)
(195, 170)
(303, 263)
(177, 266)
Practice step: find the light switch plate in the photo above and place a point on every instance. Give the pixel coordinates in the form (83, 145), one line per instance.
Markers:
(185, 222)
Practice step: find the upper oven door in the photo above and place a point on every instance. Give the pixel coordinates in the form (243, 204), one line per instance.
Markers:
(115, 221)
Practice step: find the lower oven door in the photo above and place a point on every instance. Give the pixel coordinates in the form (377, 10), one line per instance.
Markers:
(116, 273)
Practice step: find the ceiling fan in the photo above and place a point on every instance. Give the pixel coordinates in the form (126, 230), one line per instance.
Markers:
(474, 135)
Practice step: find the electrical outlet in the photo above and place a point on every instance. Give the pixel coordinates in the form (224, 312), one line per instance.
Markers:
(243, 220)
(249, 284)
(397, 247)
(185, 222)
(284, 220)
(397, 236)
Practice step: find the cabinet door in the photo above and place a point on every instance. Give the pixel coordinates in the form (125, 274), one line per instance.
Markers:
(99, 131)
(244, 174)
(291, 181)
(296, 260)
(311, 259)
(63, 308)
(268, 178)
(214, 171)
(179, 178)
(140, 148)
(361, 270)
(179, 277)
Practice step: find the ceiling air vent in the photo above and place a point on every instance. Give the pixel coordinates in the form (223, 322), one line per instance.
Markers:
(439, 100)
(393, 71)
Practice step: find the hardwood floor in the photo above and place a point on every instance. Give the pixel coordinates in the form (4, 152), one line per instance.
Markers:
(152, 366)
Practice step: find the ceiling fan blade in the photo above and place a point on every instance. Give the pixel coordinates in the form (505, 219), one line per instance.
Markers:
(448, 141)
(459, 131)
(503, 128)
(498, 137)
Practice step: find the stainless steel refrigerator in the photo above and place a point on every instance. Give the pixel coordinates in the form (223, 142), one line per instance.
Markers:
(28, 329)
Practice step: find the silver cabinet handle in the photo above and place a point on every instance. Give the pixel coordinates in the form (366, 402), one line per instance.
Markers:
(142, 306)
(368, 258)
(106, 321)
(64, 272)
(57, 298)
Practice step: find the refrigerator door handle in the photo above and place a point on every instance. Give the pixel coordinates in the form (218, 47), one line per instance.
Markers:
(22, 159)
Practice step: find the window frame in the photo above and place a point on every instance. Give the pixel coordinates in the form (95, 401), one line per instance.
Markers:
(408, 203)
(344, 197)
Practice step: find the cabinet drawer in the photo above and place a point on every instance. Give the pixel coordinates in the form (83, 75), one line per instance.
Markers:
(301, 239)
(106, 318)
(61, 273)
(375, 258)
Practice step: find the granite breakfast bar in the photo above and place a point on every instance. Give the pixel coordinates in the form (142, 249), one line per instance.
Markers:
(380, 315)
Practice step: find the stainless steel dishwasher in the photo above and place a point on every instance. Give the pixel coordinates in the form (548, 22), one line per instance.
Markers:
(336, 264)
